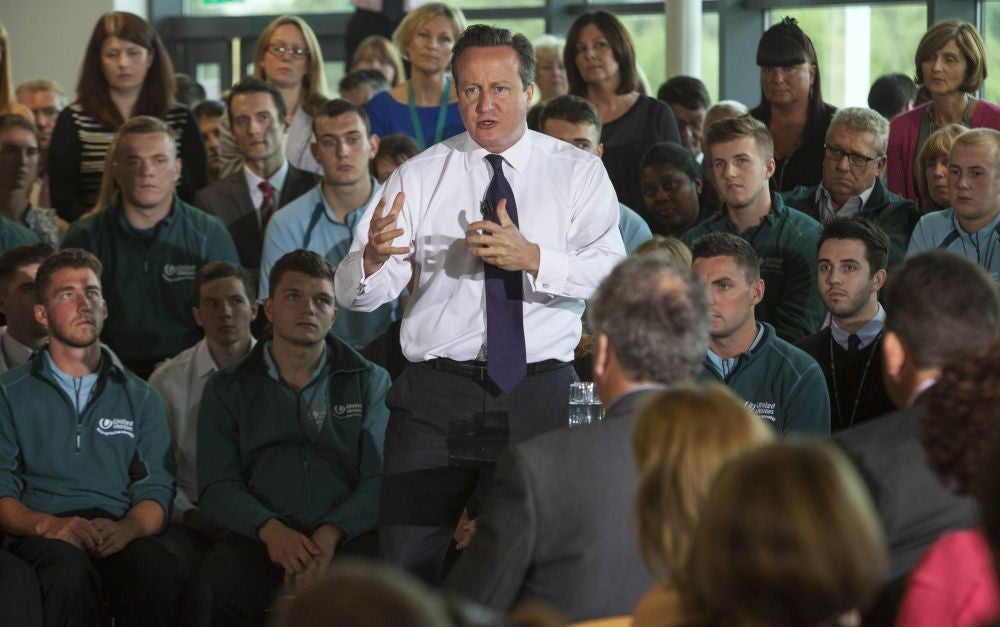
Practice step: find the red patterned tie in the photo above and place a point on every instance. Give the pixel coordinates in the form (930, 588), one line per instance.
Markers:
(266, 205)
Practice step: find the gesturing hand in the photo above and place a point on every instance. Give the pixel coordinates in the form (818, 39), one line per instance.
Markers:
(382, 231)
(502, 245)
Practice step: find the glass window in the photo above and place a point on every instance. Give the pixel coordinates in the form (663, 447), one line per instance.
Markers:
(267, 7)
(209, 75)
(991, 32)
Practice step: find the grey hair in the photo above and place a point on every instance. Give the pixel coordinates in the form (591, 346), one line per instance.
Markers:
(862, 120)
(655, 315)
(549, 43)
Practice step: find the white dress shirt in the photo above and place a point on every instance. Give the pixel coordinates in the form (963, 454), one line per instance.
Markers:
(276, 181)
(180, 382)
(565, 204)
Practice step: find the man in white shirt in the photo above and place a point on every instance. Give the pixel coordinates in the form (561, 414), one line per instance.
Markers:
(494, 315)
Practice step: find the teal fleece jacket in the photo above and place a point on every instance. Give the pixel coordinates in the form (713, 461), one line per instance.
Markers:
(114, 455)
(784, 385)
(256, 460)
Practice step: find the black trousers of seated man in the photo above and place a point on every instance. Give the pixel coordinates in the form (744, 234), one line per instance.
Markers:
(237, 582)
(442, 427)
(20, 592)
(140, 582)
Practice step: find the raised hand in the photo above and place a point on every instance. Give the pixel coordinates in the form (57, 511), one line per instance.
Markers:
(502, 245)
(382, 230)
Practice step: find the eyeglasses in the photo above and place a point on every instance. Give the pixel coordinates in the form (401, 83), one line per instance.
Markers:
(858, 161)
(279, 50)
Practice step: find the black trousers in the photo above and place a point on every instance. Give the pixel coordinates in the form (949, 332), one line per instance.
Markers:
(444, 434)
(20, 592)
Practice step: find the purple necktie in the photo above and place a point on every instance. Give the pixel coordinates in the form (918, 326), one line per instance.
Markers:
(505, 355)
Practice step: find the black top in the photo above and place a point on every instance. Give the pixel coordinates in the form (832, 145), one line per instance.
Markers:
(804, 166)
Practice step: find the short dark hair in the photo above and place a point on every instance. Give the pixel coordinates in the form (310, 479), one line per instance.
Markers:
(337, 107)
(305, 261)
(621, 46)
(363, 76)
(19, 256)
(222, 270)
(397, 147)
(483, 36)
(942, 306)
(728, 245)
(251, 85)
(188, 90)
(209, 109)
(570, 108)
(687, 91)
(890, 93)
(875, 241)
(74, 258)
(674, 155)
(16, 120)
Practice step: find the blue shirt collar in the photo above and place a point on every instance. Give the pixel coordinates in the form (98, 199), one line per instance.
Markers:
(867, 334)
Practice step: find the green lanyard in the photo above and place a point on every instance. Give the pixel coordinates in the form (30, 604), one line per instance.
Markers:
(442, 113)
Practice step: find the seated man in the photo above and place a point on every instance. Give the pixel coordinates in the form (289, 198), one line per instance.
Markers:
(853, 254)
(289, 449)
(361, 85)
(150, 243)
(23, 334)
(688, 99)
(209, 113)
(853, 163)
(781, 383)
(84, 456)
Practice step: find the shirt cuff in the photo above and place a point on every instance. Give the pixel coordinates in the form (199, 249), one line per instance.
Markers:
(553, 270)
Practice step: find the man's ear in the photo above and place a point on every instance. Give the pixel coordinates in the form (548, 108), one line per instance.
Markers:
(879, 279)
(269, 309)
(894, 355)
(602, 355)
(757, 287)
(41, 316)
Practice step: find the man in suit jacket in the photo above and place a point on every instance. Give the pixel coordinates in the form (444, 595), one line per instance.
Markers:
(940, 308)
(246, 200)
(558, 524)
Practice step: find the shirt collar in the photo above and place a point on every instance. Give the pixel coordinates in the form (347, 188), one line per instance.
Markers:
(15, 352)
(726, 366)
(867, 334)
(276, 180)
(204, 363)
(272, 367)
(516, 156)
(983, 232)
(328, 210)
(852, 207)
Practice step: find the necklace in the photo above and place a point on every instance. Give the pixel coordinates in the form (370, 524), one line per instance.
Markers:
(442, 115)
(861, 384)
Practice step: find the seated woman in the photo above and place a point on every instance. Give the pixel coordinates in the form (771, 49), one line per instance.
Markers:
(426, 106)
(951, 66)
(377, 53)
(954, 583)
(791, 105)
(932, 175)
(681, 439)
(600, 64)
(671, 184)
(788, 537)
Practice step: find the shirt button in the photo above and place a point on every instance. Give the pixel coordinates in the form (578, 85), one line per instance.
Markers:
(545, 285)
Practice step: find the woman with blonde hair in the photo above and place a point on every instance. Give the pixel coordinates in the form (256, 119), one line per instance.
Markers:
(932, 174)
(377, 53)
(682, 437)
(426, 106)
(7, 102)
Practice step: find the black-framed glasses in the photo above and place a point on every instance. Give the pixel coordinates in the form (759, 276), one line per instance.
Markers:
(857, 160)
(279, 50)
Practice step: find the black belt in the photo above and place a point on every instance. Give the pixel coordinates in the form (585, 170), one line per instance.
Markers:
(477, 369)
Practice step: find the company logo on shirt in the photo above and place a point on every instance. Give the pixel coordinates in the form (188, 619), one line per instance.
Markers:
(349, 410)
(116, 426)
(763, 409)
(172, 273)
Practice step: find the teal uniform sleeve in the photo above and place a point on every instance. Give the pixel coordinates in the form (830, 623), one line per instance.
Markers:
(219, 244)
(807, 409)
(357, 514)
(10, 484)
(153, 450)
(898, 222)
(920, 240)
(800, 311)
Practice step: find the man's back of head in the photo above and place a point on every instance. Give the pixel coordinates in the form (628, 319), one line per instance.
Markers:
(892, 94)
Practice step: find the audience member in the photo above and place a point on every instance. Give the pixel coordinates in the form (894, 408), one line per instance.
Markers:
(19, 156)
(45, 99)
(683, 436)
(289, 58)
(954, 583)
(126, 72)
(393, 151)
(709, 199)
(791, 105)
(853, 256)
(688, 99)
(951, 65)
(600, 64)
(292, 493)
(426, 106)
(151, 244)
(246, 200)
(932, 177)
(550, 70)
(543, 535)
(360, 86)
(494, 316)
(670, 181)
(940, 309)
(323, 220)
(783, 238)
(378, 53)
(84, 449)
(892, 94)
(783, 384)
(788, 537)
(671, 246)
(574, 120)
(188, 92)
(971, 227)
(209, 114)
(7, 102)
(853, 161)
(23, 334)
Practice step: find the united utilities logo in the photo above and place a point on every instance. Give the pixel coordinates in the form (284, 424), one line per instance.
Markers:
(348, 410)
(116, 426)
(172, 273)
(763, 409)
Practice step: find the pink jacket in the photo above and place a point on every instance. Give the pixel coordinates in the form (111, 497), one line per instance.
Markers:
(904, 132)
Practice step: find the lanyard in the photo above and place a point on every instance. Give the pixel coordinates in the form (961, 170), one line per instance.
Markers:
(861, 384)
(418, 130)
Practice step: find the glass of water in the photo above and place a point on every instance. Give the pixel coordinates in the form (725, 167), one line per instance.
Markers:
(584, 406)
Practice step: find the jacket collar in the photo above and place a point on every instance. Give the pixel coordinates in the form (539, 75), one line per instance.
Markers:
(340, 357)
